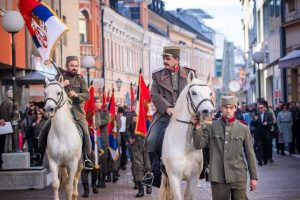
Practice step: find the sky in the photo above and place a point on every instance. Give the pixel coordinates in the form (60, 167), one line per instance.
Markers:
(227, 15)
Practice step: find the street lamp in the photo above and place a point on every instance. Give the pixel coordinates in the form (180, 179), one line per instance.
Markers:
(12, 22)
(258, 57)
(88, 62)
(119, 83)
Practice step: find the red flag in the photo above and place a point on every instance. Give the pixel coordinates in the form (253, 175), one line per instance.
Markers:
(131, 97)
(107, 96)
(143, 100)
(112, 112)
(90, 107)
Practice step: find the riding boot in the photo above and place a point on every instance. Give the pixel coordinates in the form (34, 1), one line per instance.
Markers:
(42, 152)
(115, 179)
(136, 186)
(94, 180)
(148, 189)
(141, 190)
(86, 191)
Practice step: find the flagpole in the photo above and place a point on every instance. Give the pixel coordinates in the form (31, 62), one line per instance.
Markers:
(53, 63)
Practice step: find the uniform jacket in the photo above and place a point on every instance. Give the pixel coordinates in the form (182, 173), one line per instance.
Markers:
(228, 143)
(78, 84)
(101, 120)
(162, 94)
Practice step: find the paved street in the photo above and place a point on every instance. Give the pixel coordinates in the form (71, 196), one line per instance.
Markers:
(277, 181)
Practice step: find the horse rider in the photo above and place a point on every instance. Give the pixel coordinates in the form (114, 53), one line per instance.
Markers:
(77, 90)
(166, 86)
(231, 148)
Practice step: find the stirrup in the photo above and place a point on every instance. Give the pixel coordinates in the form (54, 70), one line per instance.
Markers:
(88, 165)
(148, 179)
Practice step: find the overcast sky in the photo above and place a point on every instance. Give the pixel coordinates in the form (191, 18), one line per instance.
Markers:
(227, 15)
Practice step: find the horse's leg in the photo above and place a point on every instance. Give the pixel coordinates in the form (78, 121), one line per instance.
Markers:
(72, 169)
(191, 188)
(55, 180)
(175, 187)
(76, 180)
(163, 188)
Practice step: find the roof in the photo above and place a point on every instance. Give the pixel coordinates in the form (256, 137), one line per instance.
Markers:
(174, 20)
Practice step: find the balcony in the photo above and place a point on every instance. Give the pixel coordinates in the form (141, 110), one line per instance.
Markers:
(291, 16)
(86, 49)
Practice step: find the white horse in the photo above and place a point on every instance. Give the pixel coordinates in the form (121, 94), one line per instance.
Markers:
(182, 161)
(64, 145)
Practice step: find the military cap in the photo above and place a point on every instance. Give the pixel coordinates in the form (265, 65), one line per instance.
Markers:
(171, 51)
(70, 58)
(229, 100)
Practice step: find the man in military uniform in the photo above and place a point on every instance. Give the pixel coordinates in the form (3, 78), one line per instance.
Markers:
(102, 119)
(166, 86)
(230, 145)
(77, 90)
(140, 158)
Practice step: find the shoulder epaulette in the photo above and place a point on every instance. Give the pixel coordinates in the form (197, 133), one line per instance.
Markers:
(157, 70)
(189, 68)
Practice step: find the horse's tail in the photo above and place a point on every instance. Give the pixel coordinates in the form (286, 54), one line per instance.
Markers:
(164, 191)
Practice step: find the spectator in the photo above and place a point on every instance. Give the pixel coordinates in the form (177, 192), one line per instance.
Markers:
(5, 116)
(285, 123)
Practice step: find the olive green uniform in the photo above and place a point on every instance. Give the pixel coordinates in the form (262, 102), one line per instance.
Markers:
(228, 143)
(78, 84)
(101, 119)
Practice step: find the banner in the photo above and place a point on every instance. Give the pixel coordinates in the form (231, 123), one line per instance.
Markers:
(44, 26)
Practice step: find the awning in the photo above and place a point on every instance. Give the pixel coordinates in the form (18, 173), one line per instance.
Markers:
(291, 60)
(32, 77)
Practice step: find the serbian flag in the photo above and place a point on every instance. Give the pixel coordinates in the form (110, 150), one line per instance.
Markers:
(112, 129)
(90, 107)
(44, 26)
(143, 101)
(131, 97)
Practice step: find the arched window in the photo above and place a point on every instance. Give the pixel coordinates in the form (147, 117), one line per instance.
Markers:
(83, 27)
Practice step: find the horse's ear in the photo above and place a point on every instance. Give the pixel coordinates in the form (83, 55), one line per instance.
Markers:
(208, 80)
(191, 76)
(47, 81)
(61, 79)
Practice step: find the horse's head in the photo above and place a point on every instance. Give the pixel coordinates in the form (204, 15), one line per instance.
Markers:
(54, 95)
(199, 97)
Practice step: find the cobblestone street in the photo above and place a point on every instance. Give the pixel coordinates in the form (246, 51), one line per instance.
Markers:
(277, 181)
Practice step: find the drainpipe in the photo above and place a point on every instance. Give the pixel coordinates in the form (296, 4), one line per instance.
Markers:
(283, 52)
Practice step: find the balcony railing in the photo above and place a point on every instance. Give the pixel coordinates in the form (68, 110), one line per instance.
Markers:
(86, 49)
(292, 16)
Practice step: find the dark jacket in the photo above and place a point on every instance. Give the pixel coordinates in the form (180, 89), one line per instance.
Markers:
(262, 131)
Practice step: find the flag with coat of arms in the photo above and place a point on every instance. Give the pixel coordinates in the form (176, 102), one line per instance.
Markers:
(44, 26)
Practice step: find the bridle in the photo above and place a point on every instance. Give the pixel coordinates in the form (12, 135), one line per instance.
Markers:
(60, 101)
(194, 107)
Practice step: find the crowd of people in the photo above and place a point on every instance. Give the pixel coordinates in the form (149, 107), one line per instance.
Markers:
(270, 126)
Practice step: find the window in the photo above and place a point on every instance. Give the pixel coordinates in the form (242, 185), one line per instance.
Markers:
(83, 27)
(272, 8)
(291, 5)
(277, 8)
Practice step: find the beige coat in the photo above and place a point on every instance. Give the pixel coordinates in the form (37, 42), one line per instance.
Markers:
(228, 143)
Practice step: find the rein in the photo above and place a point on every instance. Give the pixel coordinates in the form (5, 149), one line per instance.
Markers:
(58, 103)
(195, 107)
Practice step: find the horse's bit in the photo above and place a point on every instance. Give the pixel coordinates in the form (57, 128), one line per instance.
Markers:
(58, 103)
(195, 107)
